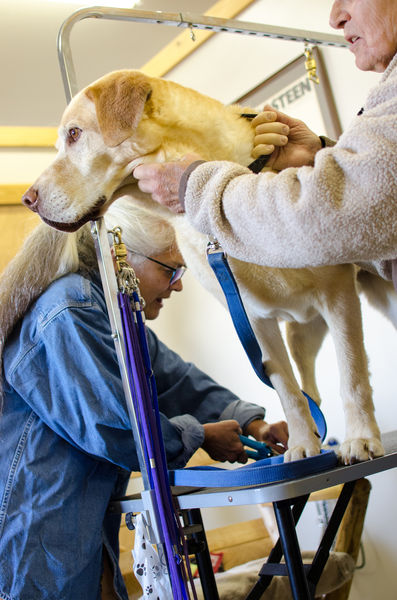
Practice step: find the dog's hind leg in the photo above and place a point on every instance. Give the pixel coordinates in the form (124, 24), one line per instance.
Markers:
(380, 294)
(304, 342)
(343, 315)
(303, 436)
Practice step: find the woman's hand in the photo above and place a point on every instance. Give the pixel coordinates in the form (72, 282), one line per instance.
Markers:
(274, 435)
(222, 442)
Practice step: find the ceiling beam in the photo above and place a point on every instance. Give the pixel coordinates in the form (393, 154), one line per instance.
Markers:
(11, 193)
(28, 137)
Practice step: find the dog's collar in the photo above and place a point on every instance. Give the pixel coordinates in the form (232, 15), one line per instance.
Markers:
(257, 165)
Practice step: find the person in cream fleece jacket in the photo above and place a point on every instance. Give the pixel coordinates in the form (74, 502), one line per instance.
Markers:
(324, 203)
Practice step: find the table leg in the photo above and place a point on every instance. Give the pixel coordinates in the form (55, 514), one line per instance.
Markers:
(202, 554)
(291, 550)
(272, 566)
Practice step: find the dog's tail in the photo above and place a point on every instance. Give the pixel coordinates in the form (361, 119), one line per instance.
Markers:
(46, 255)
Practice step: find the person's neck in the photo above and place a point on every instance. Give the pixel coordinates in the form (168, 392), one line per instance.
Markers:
(391, 66)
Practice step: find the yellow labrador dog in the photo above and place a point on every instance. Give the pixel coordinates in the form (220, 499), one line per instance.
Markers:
(127, 118)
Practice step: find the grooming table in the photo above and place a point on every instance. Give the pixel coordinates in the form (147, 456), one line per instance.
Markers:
(289, 499)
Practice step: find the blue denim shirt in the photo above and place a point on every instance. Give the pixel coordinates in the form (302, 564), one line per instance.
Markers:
(66, 446)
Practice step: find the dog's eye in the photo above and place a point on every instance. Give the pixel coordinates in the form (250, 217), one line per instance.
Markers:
(74, 134)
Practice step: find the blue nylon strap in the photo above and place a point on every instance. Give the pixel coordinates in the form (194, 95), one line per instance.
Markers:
(221, 268)
(267, 470)
(219, 264)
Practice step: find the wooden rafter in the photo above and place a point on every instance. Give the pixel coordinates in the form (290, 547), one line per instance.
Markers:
(11, 193)
(28, 137)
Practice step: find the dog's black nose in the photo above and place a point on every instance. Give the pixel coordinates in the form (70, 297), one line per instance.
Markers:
(31, 199)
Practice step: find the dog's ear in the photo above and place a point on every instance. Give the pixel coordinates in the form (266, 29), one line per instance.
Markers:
(119, 102)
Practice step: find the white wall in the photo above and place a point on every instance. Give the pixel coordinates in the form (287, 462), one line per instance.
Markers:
(197, 326)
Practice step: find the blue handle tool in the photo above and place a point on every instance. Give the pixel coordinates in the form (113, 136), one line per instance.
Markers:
(260, 449)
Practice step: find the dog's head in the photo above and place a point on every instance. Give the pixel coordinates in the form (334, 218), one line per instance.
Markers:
(99, 143)
(121, 120)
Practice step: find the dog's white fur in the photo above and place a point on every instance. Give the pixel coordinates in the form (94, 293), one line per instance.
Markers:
(127, 118)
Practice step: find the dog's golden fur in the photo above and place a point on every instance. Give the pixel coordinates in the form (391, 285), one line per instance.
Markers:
(126, 118)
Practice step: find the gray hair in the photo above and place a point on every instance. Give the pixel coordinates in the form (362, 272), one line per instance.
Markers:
(143, 231)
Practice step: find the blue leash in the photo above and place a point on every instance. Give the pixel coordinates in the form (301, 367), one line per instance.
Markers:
(268, 469)
(218, 262)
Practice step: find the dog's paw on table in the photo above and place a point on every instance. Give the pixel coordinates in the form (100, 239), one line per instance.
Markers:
(356, 450)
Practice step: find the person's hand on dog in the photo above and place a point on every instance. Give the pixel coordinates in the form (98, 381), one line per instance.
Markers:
(271, 129)
(162, 180)
(274, 435)
(222, 442)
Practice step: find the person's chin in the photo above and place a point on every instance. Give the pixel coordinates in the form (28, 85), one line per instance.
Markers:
(152, 312)
(364, 62)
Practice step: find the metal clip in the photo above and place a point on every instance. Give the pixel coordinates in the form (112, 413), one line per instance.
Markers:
(129, 521)
(213, 245)
(192, 34)
(127, 281)
(120, 249)
(311, 65)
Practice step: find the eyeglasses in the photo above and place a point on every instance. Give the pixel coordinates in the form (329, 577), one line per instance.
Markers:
(176, 272)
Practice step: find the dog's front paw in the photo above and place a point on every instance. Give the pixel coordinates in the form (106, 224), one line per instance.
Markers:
(303, 450)
(359, 449)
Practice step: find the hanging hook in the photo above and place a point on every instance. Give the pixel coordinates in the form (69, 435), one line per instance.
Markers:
(182, 22)
(311, 65)
(192, 34)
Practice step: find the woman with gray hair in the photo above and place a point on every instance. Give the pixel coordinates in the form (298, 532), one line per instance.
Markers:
(341, 207)
(66, 443)
(155, 257)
